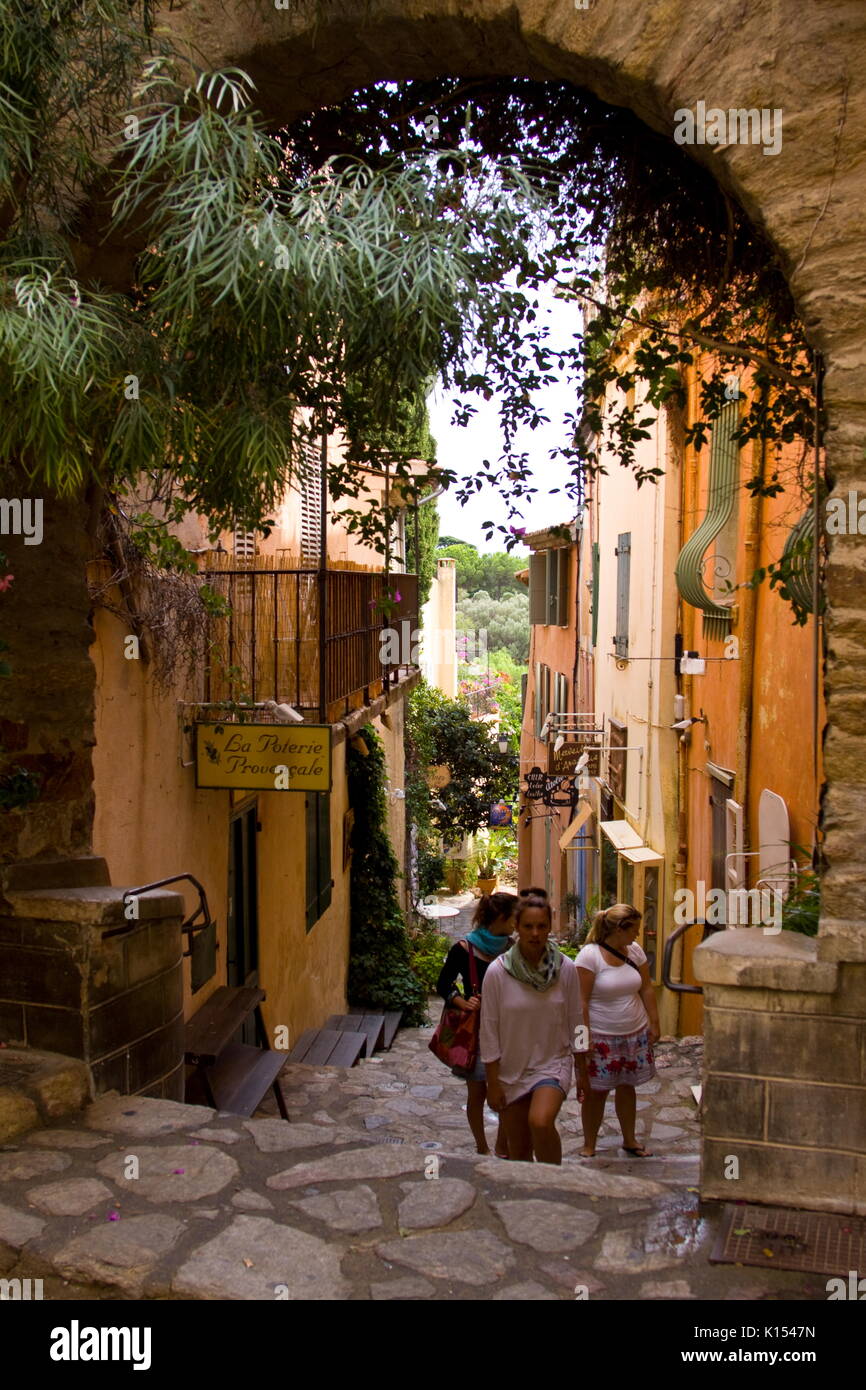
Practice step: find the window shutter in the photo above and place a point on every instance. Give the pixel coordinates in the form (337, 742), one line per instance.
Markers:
(326, 883)
(319, 881)
(735, 872)
(311, 504)
(538, 588)
(539, 698)
(623, 571)
(244, 544)
(564, 558)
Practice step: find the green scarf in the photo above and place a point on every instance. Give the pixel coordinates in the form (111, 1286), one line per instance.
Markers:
(541, 976)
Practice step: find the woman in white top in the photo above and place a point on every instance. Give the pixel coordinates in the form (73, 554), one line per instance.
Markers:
(619, 1000)
(531, 1028)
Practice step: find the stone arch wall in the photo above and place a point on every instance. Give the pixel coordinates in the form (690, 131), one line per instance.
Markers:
(657, 56)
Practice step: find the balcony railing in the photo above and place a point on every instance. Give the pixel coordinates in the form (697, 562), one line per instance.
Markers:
(310, 639)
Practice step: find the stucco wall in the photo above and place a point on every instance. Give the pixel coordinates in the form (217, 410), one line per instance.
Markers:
(151, 822)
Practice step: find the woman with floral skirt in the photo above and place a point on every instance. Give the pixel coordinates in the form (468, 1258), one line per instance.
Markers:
(620, 1003)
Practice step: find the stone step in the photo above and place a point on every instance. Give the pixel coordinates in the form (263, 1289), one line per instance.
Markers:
(38, 1087)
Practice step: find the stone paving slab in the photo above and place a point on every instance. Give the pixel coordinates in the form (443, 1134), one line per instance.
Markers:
(323, 1208)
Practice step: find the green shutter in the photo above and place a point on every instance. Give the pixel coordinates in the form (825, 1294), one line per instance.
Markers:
(319, 882)
(623, 578)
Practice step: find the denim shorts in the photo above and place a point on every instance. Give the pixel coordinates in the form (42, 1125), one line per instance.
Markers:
(477, 1073)
(546, 1081)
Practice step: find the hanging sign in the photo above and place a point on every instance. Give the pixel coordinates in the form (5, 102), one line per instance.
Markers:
(501, 814)
(565, 760)
(536, 781)
(264, 757)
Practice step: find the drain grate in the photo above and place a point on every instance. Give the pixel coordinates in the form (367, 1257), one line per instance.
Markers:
(780, 1238)
(382, 1139)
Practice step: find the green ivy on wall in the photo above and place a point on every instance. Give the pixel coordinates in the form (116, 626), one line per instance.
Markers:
(379, 970)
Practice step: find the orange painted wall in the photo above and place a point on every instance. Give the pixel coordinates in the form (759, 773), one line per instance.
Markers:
(778, 751)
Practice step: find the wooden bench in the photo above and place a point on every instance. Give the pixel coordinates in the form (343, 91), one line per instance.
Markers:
(234, 1077)
(371, 1025)
(392, 1022)
(328, 1047)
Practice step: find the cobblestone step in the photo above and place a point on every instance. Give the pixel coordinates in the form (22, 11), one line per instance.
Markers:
(148, 1198)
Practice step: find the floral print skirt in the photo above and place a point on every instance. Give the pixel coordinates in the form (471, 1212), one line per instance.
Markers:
(620, 1060)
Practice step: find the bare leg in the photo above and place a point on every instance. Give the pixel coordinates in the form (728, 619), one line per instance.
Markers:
(592, 1113)
(625, 1101)
(476, 1094)
(544, 1106)
(500, 1148)
(515, 1122)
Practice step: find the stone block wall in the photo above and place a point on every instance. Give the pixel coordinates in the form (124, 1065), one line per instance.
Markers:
(116, 1002)
(785, 1073)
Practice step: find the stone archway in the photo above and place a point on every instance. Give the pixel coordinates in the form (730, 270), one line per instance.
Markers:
(657, 56)
(767, 1037)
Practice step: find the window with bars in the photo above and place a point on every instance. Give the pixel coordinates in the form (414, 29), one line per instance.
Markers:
(548, 587)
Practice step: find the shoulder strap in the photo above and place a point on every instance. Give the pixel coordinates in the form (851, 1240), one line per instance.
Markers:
(473, 972)
(627, 959)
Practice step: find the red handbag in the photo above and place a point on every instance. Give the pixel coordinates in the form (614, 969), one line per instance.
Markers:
(456, 1040)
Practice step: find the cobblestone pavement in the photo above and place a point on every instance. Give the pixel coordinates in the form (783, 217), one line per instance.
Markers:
(373, 1191)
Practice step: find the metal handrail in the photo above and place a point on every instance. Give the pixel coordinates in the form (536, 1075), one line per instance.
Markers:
(190, 925)
(676, 986)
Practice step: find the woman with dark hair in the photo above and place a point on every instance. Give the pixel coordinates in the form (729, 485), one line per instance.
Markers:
(620, 1003)
(491, 935)
(531, 1027)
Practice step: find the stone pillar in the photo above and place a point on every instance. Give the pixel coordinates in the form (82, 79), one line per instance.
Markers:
(66, 986)
(784, 1072)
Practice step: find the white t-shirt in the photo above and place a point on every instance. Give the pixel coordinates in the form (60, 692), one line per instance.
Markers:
(615, 1006)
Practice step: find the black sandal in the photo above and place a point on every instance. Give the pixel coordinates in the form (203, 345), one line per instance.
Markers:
(639, 1152)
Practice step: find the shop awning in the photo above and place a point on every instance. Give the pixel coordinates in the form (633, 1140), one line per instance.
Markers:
(621, 834)
(642, 855)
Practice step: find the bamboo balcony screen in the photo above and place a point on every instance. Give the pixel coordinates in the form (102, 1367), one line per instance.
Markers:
(268, 646)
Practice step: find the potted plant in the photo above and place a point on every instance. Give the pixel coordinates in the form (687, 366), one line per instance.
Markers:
(486, 865)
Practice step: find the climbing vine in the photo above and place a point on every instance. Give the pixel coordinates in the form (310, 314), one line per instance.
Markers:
(380, 974)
